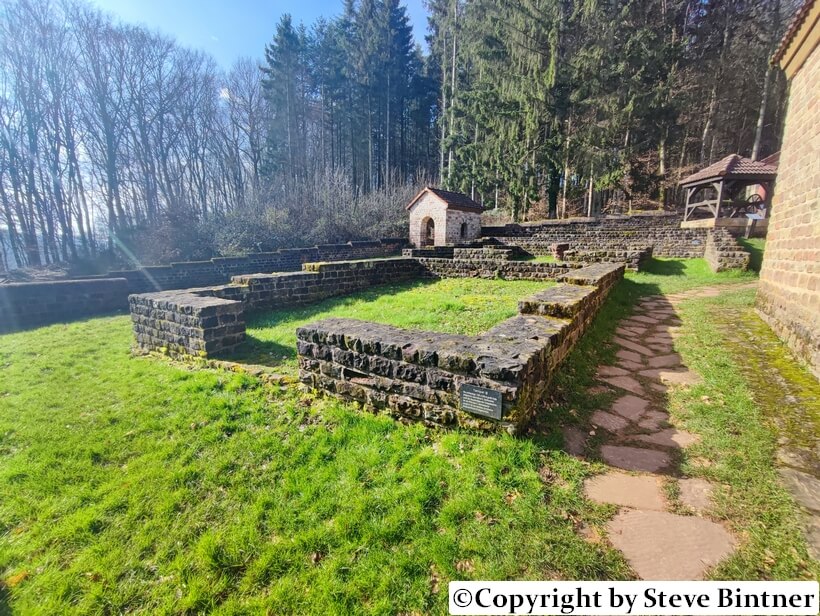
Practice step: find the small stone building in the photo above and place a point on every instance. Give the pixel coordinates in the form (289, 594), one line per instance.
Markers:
(441, 217)
(789, 291)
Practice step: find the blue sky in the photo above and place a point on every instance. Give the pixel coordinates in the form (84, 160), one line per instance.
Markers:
(228, 30)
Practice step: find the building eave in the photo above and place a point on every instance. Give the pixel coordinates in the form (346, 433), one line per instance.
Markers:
(800, 40)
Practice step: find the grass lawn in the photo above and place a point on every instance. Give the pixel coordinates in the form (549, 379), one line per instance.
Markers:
(136, 484)
(539, 259)
(755, 247)
(455, 305)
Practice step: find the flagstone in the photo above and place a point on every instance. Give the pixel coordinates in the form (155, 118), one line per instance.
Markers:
(695, 493)
(804, 487)
(643, 319)
(631, 407)
(653, 420)
(665, 361)
(665, 546)
(611, 371)
(608, 421)
(632, 346)
(672, 377)
(625, 382)
(636, 491)
(671, 437)
(635, 458)
(625, 331)
(680, 377)
(640, 328)
(630, 365)
(629, 356)
(575, 441)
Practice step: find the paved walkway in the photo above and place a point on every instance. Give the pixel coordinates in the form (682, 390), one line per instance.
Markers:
(642, 446)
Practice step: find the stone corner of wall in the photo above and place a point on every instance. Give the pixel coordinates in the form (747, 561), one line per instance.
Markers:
(420, 375)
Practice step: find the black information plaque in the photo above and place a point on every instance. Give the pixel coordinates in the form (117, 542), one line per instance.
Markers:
(481, 401)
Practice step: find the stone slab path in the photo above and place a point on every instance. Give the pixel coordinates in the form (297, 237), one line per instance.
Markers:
(642, 446)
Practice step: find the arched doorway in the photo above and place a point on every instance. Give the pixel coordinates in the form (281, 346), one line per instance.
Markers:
(428, 232)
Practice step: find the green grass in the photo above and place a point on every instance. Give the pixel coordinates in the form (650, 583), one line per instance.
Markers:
(457, 305)
(755, 247)
(131, 484)
(136, 484)
(539, 259)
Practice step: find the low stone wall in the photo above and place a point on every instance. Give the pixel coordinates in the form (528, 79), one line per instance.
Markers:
(662, 232)
(220, 270)
(21, 302)
(498, 268)
(207, 320)
(31, 304)
(485, 253)
(724, 253)
(634, 258)
(436, 378)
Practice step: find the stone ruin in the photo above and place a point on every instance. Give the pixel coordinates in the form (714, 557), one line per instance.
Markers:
(489, 382)
(426, 375)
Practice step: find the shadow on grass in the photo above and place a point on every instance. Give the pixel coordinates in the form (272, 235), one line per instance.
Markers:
(275, 355)
(665, 268)
(755, 248)
(5, 608)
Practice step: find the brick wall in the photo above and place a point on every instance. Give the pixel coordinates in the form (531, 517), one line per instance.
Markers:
(420, 375)
(30, 304)
(789, 291)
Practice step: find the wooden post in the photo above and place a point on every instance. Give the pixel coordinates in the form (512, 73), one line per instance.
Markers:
(686, 212)
(719, 200)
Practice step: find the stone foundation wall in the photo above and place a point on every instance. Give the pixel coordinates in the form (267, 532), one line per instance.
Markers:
(485, 253)
(182, 322)
(498, 268)
(220, 270)
(421, 375)
(634, 258)
(724, 253)
(662, 233)
(40, 303)
(24, 305)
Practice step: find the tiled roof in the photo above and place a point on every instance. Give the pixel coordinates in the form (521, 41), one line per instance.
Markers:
(456, 200)
(772, 159)
(794, 26)
(731, 166)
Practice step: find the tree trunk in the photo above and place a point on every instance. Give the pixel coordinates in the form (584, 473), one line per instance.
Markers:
(452, 93)
(662, 168)
(767, 81)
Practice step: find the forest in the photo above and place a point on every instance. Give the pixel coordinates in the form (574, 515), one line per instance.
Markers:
(118, 144)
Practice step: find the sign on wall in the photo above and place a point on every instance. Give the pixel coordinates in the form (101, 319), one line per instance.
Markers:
(481, 401)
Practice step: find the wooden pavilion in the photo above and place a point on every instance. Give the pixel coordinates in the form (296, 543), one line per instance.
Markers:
(720, 190)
